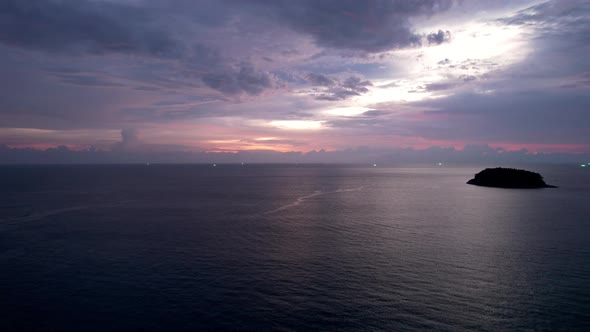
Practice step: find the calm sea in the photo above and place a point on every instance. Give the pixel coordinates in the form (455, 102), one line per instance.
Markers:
(279, 247)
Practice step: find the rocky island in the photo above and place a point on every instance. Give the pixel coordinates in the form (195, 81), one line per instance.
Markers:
(509, 178)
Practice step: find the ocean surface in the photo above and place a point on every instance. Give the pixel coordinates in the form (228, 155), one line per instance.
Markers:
(291, 248)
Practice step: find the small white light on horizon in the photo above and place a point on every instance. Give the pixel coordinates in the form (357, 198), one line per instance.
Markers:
(374, 165)
(214, 165)
(439, 164)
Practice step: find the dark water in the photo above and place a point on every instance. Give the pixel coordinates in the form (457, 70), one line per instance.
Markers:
(146, 248)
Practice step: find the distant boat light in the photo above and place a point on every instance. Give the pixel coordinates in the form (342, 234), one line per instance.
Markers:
(439, 164)
(374, 165)
(214, 165)
(583, 165)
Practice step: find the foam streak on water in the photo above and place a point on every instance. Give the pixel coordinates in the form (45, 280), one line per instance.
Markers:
(301, 199)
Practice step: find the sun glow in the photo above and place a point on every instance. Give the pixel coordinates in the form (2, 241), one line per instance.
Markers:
(474, 51)
(483, 41)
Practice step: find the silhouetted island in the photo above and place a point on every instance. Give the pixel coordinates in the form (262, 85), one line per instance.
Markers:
(509, 178)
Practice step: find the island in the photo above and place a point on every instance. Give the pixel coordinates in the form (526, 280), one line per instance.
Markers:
(509, 178)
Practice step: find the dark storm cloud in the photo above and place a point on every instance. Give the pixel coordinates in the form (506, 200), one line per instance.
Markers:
(80, 25)
(175, 31)
(105, 27)
(370, 26)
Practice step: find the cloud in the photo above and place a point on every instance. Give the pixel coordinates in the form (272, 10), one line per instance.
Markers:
(355, 83)
(438, 37)
(320, 80)
(290, 142)
(549, 15)
(444, 62)
(526, 116)
(375, 113)
(364, 155)
(73, 26)
(104, 28)
(172, 66)
(144, 28)
(242, 79)
(440, 86)
(338, 89)
(88, 80)
(189, 36)
(373, 26)
(560, 32)
(129, 140)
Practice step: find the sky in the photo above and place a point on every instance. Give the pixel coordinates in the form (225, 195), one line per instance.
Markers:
(294, 81)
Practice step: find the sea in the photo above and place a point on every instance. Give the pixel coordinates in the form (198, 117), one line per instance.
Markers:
(291, 248)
